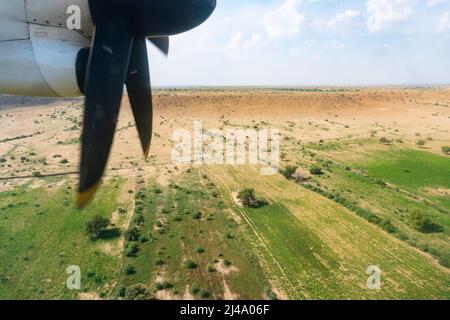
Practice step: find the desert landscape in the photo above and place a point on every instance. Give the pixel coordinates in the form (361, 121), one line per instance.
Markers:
(364, 181)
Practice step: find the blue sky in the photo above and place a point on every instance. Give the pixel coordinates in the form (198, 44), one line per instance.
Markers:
(312, 42)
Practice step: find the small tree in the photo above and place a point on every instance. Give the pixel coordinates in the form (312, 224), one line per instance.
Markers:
(289, 171)
(96, 226)
(419, 221)
(132, 234)
(316, 171)
(421, 143)
(247, 197)
(446, 150)
(385, 140)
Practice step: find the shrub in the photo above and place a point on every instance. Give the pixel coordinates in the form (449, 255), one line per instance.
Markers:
(189, 264)
(387, 226)
(227, 263)
(129, 269)
(195, 290)
(317, 171)
(64, 161)
(204, 294)
(139, 219)
(131, 249)
(421, 143)
(138, 292)
(446, 150)
(143, 239)
(36, 174)
(289, 171)
(132, 234)
(159, 262)
(96, 226)
(248, 199)
(197, 215)
(419, 221)
(199, 250)
(163, 285)
(121, 290)
(385, 140)
(210, 269)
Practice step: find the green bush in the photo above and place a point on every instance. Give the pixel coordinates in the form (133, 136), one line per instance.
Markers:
(189, 264)
(121, 291)
(248, 199)
(132, 234)
(197, 215)
(163, 285)
(289, 171)
(131, 249)
(129, 269)
(96, 226)
(446, 150)
(137, 292)
(385, 140)
(159, 262)
(317, 171)
(420, 221)
(204, 294)
(199, 250)
(421, 143)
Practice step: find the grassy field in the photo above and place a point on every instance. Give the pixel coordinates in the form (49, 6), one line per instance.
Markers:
(390, 182)
(191, 248)
(41, 235)
(313, 248)
(373, 198)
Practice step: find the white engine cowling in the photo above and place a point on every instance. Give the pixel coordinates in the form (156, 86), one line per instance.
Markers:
(37, 52)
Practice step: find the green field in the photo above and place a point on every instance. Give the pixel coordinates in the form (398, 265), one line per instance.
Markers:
(189, 238)
(41, 235)
(315, 249)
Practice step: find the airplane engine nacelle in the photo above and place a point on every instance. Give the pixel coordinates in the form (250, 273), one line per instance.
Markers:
(38, 54)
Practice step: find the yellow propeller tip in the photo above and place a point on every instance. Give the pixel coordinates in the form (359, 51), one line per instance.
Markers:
(147, 153)
(84, 197)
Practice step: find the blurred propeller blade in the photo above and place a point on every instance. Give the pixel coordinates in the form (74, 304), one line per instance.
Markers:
(162, 43)
(140, 92)
(106, 73)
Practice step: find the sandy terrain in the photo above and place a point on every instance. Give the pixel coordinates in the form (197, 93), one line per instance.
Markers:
(42, 136)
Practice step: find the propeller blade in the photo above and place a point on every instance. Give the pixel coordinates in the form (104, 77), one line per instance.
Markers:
(140, 92)
(106, 73)
(162, 43)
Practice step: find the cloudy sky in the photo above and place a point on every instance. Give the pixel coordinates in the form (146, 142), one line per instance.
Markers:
(312, 42)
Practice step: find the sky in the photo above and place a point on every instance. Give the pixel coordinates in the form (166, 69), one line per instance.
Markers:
(312, 43)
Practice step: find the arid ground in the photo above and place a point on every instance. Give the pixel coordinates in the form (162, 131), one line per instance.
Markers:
(370, 186)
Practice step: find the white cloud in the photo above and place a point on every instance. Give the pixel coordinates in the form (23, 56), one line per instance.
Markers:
(383, 13)
(255, 41)
(285, 20)
(235, 41)
(341, 22)
(432, 3)
(443, 23)
(342, 18)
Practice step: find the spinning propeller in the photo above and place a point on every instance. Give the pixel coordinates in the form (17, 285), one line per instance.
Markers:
(118, 56)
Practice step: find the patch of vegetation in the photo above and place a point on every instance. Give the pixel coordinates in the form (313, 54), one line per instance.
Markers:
(96, 226)
(446, 150)
(248, 199)
(317, 171)
(289, 171)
